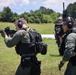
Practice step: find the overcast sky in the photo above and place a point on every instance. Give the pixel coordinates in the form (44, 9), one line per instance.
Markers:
(20, 6)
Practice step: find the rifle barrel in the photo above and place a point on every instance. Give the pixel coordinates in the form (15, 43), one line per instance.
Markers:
(63, 6)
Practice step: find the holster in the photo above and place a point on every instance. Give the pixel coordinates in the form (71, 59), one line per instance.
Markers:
(35, 68)
(25, 62)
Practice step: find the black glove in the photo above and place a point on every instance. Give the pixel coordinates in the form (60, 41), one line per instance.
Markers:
(3, 34)
(60, 65)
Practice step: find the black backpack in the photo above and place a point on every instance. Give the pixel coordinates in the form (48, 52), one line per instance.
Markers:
(36, 39)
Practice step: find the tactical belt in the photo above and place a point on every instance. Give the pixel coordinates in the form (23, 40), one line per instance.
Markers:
(32, 54)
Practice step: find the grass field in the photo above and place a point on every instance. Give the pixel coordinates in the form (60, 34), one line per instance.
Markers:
(41, 28)
(9, 60)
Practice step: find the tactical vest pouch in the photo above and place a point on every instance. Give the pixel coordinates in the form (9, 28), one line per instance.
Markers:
(36, 39)
(41, 48)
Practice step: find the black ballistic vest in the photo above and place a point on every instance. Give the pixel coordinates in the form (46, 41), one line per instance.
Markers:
(62, 46)
(24, 48)
(29, 48)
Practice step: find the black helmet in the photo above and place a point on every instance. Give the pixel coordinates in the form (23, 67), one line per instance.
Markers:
(69, 22)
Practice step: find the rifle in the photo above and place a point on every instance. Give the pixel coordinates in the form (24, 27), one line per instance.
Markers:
(65, 13)
(8, 31)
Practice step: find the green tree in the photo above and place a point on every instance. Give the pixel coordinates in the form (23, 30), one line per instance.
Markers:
(43, 15)
(14, 17)
(45, 11)
(71, 9)
(54, 17)
(39, 16)
(0, 16)
(6, 14)
(26, 15)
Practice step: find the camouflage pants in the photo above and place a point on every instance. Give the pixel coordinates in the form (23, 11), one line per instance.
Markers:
(70, 70)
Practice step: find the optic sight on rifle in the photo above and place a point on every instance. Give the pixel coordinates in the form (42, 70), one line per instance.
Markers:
(8, 31)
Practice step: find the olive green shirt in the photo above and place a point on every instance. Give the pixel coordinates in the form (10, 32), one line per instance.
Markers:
(70, 44)
(20, 35)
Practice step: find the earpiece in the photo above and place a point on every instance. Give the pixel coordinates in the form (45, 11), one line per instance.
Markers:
(69, 22)
(20, 23)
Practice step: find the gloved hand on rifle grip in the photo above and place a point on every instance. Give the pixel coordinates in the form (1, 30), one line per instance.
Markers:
(4, 35)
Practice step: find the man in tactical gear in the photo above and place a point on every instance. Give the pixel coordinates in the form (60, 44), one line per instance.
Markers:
(69, 47)
(58, 32)
(29, 64)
